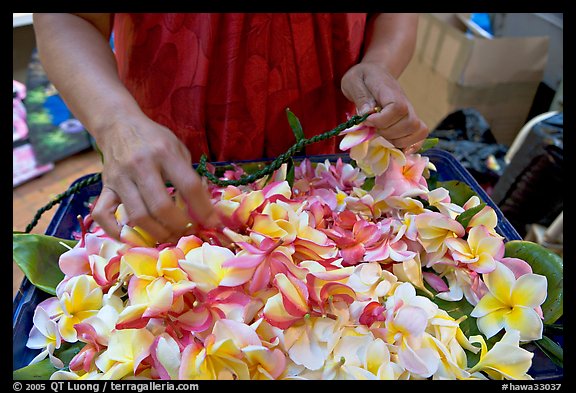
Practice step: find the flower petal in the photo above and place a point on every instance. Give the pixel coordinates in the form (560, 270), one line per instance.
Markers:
(530, 290)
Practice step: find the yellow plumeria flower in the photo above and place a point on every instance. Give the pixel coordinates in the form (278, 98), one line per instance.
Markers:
(126, 350)
(80, 299)
(374, 155)
(511, 303)
(506, 360)
(479, 251)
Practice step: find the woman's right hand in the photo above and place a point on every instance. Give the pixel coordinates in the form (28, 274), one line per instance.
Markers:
(140, 155)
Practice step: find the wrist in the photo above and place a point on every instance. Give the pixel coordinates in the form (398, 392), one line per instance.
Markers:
(110, 120)
(379, 60)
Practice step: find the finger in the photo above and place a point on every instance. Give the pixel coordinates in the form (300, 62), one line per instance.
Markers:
(103, 212)
(160, 204)
(189, 185)
(391, 113)
(137, 212)
(356, 91)
(417, 135)
(414, 148)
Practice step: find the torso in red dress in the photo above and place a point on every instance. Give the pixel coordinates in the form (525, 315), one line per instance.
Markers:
(222, 82)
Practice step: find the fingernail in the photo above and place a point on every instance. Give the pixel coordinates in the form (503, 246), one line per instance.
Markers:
(365, 109)
(410, 149)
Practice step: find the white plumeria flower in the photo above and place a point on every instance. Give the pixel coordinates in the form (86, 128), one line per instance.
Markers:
(45, 335)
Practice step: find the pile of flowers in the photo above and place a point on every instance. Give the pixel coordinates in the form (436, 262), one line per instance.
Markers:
(324, 278)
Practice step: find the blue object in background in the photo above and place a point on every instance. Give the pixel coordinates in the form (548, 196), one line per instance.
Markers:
(57, 109)
(483, 20)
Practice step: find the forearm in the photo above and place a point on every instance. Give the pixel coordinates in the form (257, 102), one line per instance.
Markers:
(391, 40)
(80, 63)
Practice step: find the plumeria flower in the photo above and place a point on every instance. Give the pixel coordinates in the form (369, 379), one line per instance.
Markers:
(166, 356)
(486, 217)
(407, 317)
(126, 350)
(371, 282)
(363, 203)
(479, 251)
(433, 231)
(264, 261)
(356, 135)
(353, 244)
(440, 199)
(338, 176)
(374, 156)
(410, 271)
(462, 282)
(506, 359)
(221, 356)
(44, 335)
(80, 298)
(450, 342)
(405, 176)
(313, 281)
(310, 342)
(205, 267)
(95, 332)
(510, 304)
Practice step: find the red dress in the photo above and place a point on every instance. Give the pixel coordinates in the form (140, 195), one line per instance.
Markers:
(222, 82)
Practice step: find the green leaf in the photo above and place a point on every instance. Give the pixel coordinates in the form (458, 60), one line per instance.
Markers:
(460, 192)
(466, 216)
(429, 143)
(554, 329)
(44, 369)
(546, 263)
(37, 256)
(295, 125)
(290, 172)
(368, 183)
(296, 128)
(552, 350)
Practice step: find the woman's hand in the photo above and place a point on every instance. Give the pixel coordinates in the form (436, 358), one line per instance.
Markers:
(369, 85)
(139, 157)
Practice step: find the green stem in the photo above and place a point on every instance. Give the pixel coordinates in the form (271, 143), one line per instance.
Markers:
(281, 159)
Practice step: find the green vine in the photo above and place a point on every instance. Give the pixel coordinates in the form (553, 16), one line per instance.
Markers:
(282, 158)
(202, 171)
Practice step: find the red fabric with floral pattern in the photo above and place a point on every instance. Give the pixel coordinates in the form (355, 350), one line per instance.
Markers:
(222, 82)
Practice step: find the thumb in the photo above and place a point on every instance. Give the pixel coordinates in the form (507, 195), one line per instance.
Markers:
(358, 93)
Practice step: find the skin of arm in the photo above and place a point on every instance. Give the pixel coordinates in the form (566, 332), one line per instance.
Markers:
(390, 40)
(139, 154)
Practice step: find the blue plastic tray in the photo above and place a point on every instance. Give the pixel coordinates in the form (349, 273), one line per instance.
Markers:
(64, 223)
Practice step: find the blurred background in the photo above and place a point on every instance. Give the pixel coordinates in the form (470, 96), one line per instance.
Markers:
(489, 86)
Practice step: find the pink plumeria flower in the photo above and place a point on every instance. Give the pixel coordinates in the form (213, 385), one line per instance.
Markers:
(264, 261)
(356, 135)
(353, 244)
(405, 176)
